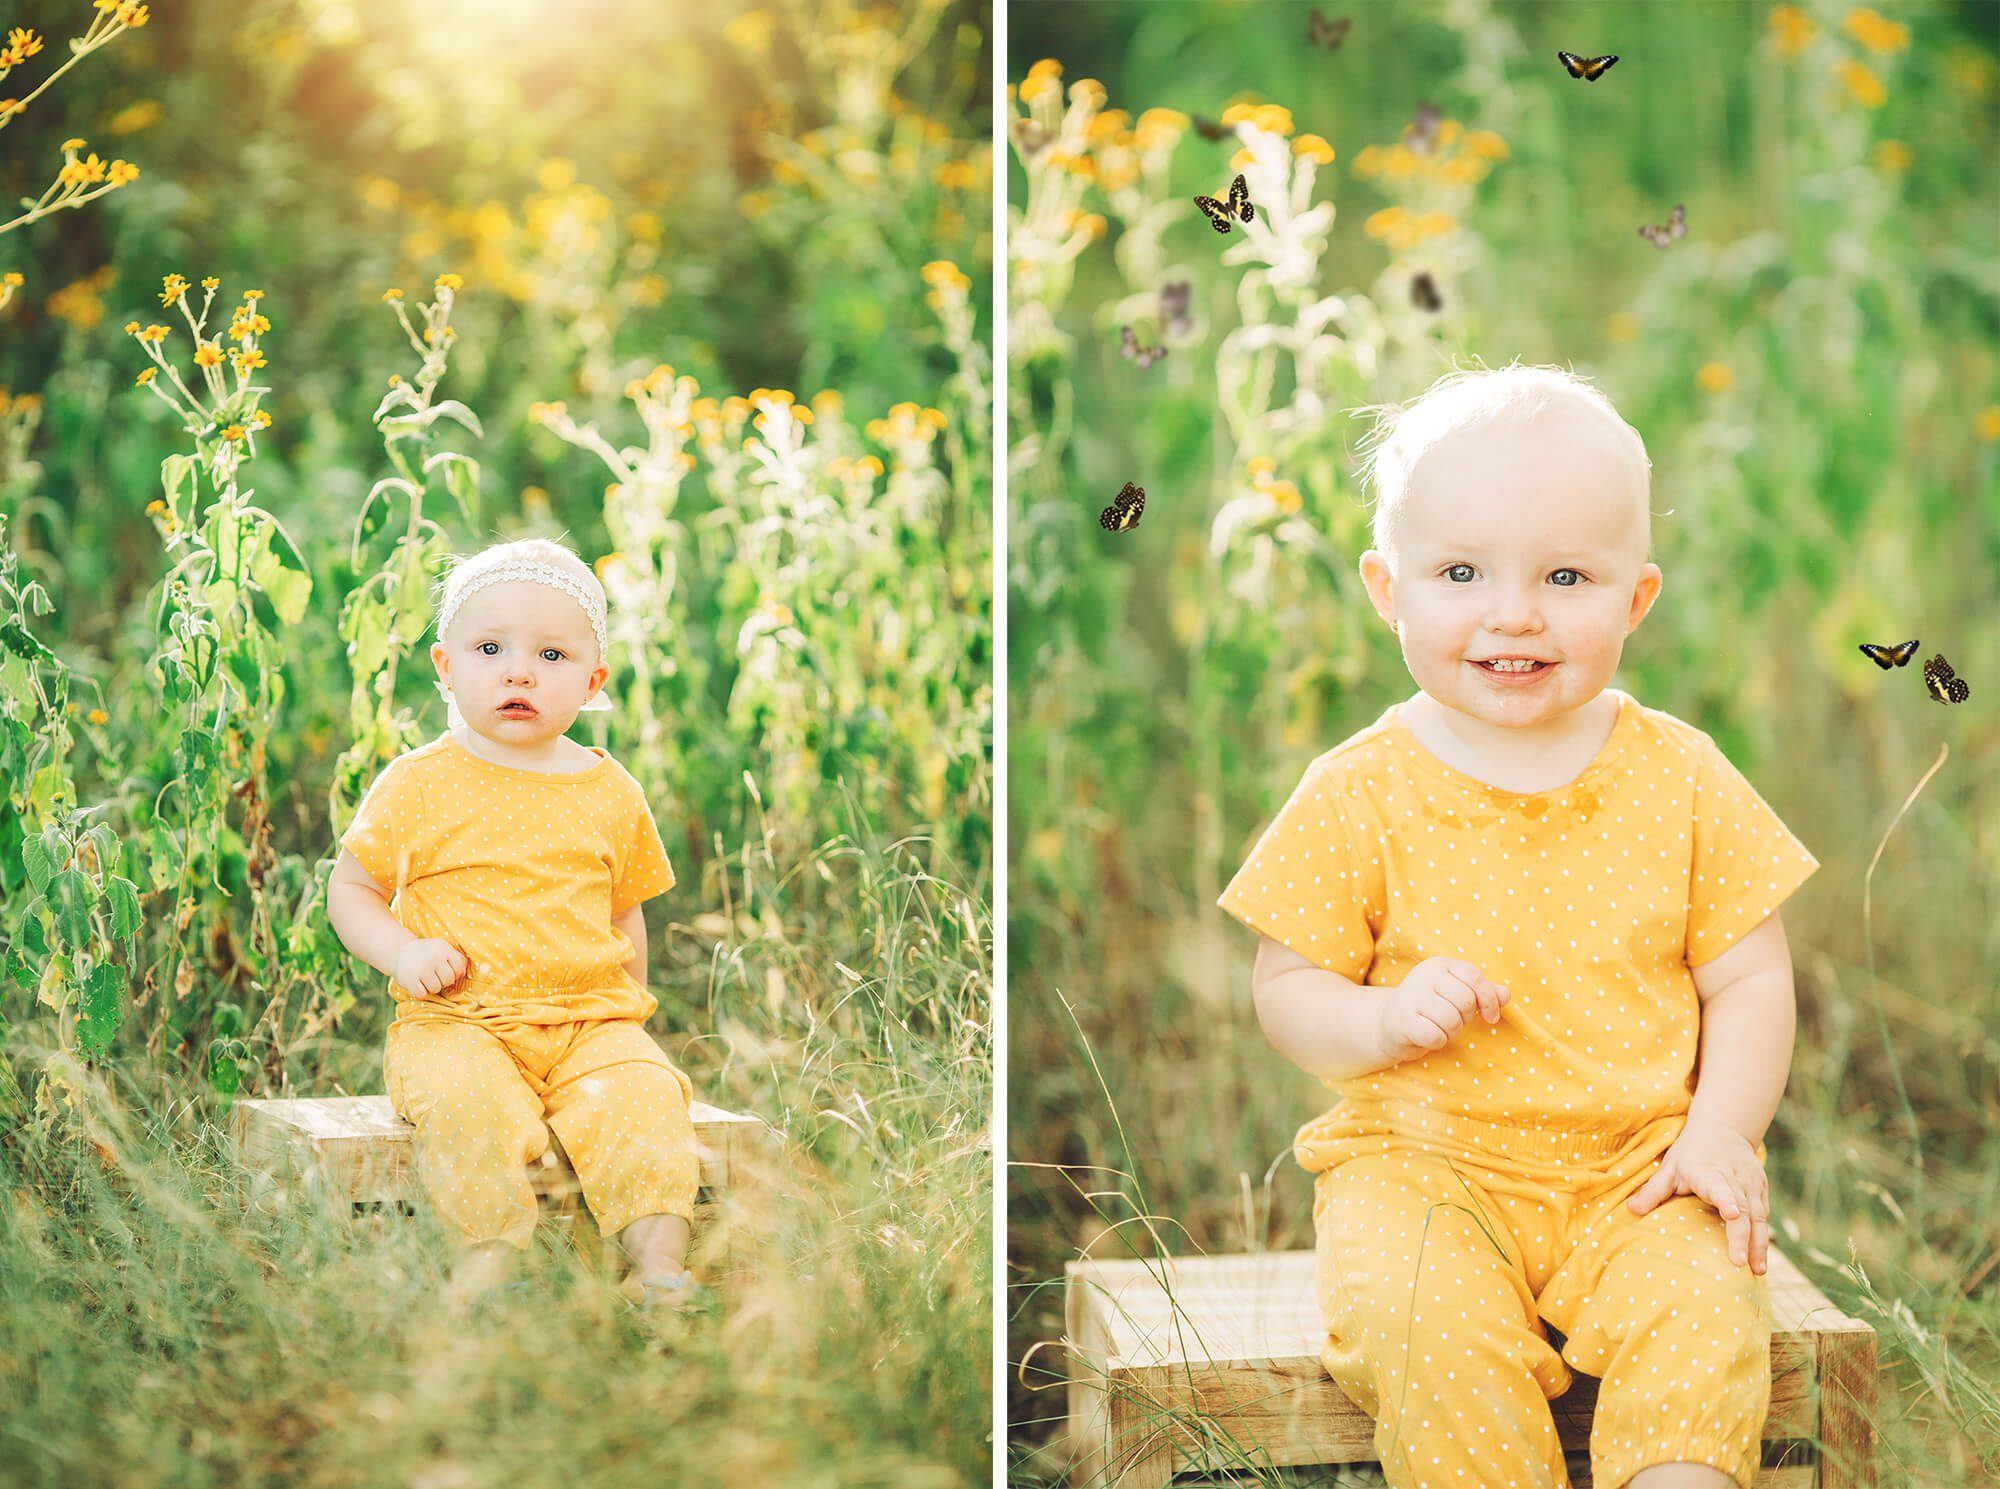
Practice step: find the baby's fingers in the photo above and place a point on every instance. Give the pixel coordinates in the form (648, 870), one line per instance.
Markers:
(1487, 995)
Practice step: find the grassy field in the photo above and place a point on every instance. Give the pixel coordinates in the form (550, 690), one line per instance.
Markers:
(702, 291)
(1815, 368)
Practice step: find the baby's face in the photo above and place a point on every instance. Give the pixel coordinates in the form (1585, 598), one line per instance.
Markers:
(1524, 539)
(520, 639)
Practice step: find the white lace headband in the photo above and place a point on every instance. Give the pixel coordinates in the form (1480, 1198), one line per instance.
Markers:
(517, 569)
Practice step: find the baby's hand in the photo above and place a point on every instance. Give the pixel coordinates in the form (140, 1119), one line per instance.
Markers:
(1432, 1003)
(1718, 1163)
(426, 968)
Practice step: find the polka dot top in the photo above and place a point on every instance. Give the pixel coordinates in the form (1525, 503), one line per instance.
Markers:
(522, 870)
(1589, 904)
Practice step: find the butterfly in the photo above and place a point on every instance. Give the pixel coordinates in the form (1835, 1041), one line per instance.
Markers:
(1174, 317)
(1424, 293)
(1123, 513)
(1420, 135)
(1677, 226)
(1321, 31)
(1238, 206)
(1590, 69)
(1886, 657)
(1944, 687)
(1208, 129)
(1129, 346)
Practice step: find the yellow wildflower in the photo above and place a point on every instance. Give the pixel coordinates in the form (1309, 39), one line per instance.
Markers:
(1485, 145)
(247, 361)
(606, 562)
(98, 716)
(146, 376)
(1879, 35)
(448, 282)
(261, 419)
(134, 16)
(1892, 155)
(1862, 85)
(211, 282)
(1312, 145)
(1792, 30)
(1714, 377)
(135, 117)
(1622, 325)
(69, 145)
(233, 432)
(208, 354)
(123, 171)
(1987, 424)
(392, 295)
(941, 272)
(174, 286)
(131, 328)
(21, 45)
(253, 295)
(154, 333)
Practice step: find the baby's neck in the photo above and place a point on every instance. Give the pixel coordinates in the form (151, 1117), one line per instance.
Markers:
(561, 755)
(1546, 761)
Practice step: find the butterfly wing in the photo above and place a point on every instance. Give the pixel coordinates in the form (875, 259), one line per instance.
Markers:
(1573, 62)
(1942, 684)
(1216, 212)
(1677, 221)
(1596, 67)
(1208, 129)
(1880, 655)
(1239, 200)
(1653, 236)
(1128, 344)
(1901, 654)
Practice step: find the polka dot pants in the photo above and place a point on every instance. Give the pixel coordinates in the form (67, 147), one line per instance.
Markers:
(483, 1097)
(1440, 1264)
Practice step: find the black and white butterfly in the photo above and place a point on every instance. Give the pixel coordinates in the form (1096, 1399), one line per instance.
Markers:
(1943, 685)
(1125, 509)
(1208, 129)
(1590, 69)
(1886, 657)
(1238, 205)
(1322, 32)
(1424, 293)
(1128, 346)
(1676, 227)
(1174, 317)
(1420, 136)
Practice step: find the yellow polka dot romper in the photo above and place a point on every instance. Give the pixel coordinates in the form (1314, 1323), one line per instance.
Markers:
(1505, 1158)
(523, 871)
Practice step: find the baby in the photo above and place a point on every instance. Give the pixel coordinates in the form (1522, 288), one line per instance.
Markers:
(518, 861)
(1526, 928)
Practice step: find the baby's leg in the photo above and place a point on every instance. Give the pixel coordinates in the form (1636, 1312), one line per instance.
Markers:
(1432, 1328)
(621, 1109)
(478, 1125)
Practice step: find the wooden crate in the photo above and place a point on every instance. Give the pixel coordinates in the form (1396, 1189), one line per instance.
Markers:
(357, 1148)
(1226, 1370)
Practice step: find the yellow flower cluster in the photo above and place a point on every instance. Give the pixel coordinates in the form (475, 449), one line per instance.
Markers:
(1404, 229)
(1714, 377)
(1457, 157)
(1986, 425)
(79, 303)
(125, 12)
(21, 45)
(1284, 495)
(1041, 79)
(22, 404)
(1880, 35)
(907, 423)
(1861, 83)
(1792, 30)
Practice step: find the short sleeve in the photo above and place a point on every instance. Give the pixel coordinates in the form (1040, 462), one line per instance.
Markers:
(383, 835)
(644, 870)
(1309, 885)
(1746, 861)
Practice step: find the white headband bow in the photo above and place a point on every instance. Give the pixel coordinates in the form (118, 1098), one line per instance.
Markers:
(537, 572)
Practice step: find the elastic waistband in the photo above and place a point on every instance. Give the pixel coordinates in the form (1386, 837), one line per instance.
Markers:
(1411, 1119)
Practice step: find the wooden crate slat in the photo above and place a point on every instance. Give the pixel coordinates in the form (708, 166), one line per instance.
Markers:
(362, 1149)
(1204, 1361)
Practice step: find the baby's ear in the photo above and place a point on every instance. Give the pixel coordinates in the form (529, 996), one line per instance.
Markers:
(1644, 593)
(1377, 580)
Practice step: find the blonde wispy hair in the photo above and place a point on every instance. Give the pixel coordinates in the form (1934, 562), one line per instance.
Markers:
(1467, 397)
(463, 568)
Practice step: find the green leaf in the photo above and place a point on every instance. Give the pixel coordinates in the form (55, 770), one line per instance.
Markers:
(71, 895)
(125, 914)
(102, 1009)
(40, 867)
(279, 571)
(461, 479)
(451, 408)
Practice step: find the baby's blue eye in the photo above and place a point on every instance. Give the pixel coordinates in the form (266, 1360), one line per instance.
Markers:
(484, 644)
(1569, 583)
(1452, 573)
(556, 658)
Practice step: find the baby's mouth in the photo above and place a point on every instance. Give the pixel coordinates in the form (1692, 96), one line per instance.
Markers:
(515, 711)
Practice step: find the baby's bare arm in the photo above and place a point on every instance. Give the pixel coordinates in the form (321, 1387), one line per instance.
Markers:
(1323, 1023)
(633, 923)
(358, 909)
